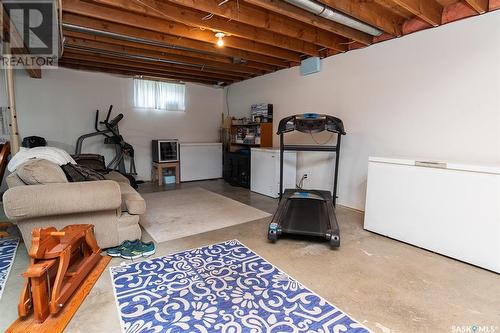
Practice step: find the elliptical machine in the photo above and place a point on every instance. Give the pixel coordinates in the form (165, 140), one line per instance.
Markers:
(112, 136)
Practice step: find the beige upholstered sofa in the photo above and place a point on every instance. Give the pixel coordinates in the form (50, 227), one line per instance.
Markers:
(39, 195)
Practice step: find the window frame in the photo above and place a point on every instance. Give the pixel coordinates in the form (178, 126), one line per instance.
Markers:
(155, 99)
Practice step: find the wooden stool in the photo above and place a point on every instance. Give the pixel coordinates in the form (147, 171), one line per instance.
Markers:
(157, 171)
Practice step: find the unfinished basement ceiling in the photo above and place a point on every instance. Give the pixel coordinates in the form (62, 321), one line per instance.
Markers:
(176, 39)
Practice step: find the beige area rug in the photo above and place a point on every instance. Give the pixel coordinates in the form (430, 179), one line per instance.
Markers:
(185, 212)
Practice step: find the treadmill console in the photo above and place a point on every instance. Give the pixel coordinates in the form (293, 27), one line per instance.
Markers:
(311, 123)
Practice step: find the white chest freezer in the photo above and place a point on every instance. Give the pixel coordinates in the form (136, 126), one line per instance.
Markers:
(265, 171)
(452, 209)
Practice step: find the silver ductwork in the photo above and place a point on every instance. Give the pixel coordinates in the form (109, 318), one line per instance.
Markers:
(133, 56)
(330, 14)
(126, 38)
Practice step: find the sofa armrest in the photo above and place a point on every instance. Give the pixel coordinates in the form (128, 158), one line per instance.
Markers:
(30, 201)
(132, 202)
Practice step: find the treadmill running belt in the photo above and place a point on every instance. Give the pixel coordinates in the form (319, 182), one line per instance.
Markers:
(306, 217)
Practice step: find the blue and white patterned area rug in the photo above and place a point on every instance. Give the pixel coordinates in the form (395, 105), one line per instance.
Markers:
(8, 248)
(220, 288)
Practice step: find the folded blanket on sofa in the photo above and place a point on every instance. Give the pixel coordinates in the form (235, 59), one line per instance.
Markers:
(81, 173)
(52, 154)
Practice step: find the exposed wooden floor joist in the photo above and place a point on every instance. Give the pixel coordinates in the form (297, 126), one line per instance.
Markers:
(171, 51)
(370, 13)
(257, 17)
(84, 57)
(285, 9)
(428, 10)
(167, 57)
(169, 40)
(191, 17)
(177, 38)
(173, 28)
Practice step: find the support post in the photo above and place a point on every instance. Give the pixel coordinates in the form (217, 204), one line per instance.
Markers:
(14, 130)
(336, 174)
(282, 156)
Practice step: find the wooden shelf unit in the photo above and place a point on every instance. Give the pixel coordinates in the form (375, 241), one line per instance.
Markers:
(266, 135)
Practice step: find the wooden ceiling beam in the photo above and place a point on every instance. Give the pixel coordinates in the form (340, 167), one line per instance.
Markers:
(480, 6)
(173, 28)
(388, 4)
(144, 71)
(428, 10)
(128, 72)
(370, 13)
(161, 39)
(104, 48)
(192, 54)
(88, 56)
(194, 18)
(285, 9)
(263, 19)
(91, 61)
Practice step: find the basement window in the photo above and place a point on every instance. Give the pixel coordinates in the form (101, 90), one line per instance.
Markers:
(159, 95)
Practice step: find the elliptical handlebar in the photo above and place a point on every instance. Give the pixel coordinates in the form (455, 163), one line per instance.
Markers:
(110, 125)
(114, 121)
(96, 123)
(108, 115)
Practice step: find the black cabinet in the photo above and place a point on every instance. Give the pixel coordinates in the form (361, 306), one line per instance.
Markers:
(237, 168)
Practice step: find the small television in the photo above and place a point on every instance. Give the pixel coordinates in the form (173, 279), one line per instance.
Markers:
(165, 150)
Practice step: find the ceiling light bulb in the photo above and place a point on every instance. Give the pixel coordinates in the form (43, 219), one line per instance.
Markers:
(220, 40)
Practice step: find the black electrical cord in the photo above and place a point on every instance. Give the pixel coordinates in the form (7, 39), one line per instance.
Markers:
(324, 143)
(301, 182)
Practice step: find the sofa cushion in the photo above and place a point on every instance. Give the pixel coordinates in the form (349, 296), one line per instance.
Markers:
(40, 171)
(117, 177)
(13, 180)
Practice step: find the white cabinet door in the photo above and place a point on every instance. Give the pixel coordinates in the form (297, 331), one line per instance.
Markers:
(200, 161)
(263, 173)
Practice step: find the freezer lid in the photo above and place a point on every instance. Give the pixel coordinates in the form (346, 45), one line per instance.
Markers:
(266, 150)
(197, 144)
(431, 163)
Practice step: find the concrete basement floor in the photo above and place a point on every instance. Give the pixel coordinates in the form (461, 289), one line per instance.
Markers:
(387, 285)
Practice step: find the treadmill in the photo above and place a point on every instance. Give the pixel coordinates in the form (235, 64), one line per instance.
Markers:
(308, 212)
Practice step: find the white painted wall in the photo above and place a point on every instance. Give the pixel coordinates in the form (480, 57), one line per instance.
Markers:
(433, 94)
(61, 106)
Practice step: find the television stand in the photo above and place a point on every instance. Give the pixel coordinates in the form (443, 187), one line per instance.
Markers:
(157, 171)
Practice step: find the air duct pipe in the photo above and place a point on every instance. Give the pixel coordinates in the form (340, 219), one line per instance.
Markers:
(92, 31)
(335, 16)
